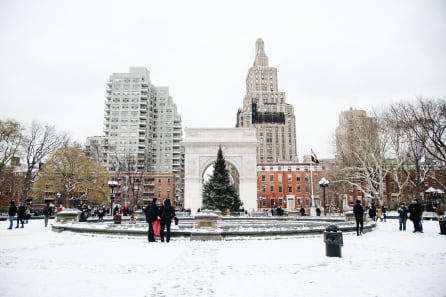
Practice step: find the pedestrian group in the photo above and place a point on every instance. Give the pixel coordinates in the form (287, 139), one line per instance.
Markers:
(414, 213)
(159, 220)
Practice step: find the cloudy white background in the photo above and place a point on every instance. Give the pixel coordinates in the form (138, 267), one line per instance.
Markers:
(56, 56)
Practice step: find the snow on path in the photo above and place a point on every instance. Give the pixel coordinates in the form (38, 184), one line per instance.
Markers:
(37, 262)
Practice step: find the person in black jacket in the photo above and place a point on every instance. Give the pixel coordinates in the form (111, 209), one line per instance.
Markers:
(101, 213)
(416, 211)
(402, 216)
(167, 213)
(152, 213)
(47, 213)
(12, 211)
(21, 213)
(372, 211)
(358, 210)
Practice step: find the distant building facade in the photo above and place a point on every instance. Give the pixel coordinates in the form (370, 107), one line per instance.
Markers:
(355, 133)
(289, 186)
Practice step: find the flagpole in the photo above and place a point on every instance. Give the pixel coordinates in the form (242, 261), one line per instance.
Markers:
(312, 208)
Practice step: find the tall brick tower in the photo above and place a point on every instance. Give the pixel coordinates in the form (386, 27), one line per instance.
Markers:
(265, 108)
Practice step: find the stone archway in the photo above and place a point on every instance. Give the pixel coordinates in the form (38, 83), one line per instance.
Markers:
(239, 150)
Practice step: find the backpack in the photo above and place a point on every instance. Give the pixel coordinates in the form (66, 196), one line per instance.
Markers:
(166, 213)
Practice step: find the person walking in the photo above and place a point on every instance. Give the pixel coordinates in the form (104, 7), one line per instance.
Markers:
(152, 213)
(101, 213)
(27, 213)
(21, 213)
(47, 213)
(358, 210)
(402, 216)
(415, 211)
(384, 210)
(115, 210)
(12, 211)
(372, 212)
(167, 213)
(379, 214)
(421, 218)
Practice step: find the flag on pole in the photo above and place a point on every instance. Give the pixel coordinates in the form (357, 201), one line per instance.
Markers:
(314, 157)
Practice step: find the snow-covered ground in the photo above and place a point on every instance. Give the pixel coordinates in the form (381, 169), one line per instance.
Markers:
(35, 261)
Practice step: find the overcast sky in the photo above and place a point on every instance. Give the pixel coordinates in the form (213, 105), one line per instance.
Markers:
(55, 57)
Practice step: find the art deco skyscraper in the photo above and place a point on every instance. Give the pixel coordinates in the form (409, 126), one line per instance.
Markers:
(265, 108)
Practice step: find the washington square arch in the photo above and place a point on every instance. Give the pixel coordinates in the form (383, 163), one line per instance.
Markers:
(239, 150)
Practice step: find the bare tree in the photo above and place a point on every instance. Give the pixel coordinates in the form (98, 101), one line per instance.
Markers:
(399, 153)
(422, 129)
(426, 121)
(363, 149)
(38, 142)
(10, 140)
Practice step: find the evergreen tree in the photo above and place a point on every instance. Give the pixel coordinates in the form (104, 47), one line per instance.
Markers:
(218, 192)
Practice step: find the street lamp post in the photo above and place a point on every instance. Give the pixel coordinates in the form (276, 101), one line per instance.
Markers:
(58, 198)
(323, 183)
(112, 185)
(138, 183)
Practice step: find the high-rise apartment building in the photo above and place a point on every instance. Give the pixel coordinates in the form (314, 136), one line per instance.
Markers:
(357, 134)
(265, 108)
(142, 128)
(129, 121)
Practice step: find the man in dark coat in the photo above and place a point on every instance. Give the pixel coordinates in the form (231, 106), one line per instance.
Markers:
(152, 213)
(358, 210)
(21, 213)
(47, 213)
(167, 213)
(415, 211)
(101, 213)
(372, 212)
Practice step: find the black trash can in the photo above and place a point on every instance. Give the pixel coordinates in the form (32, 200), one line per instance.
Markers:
(117, 219)
(333, 241)
(442, 222)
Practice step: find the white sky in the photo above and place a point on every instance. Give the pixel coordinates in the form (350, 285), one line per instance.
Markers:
(56, 56)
